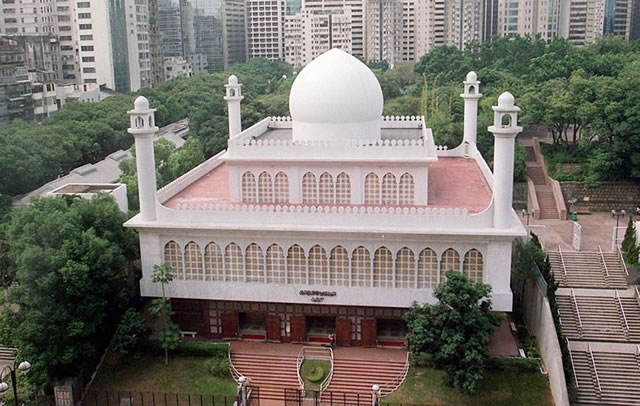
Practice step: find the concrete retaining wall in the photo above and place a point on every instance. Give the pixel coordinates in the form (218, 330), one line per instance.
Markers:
(610, 195)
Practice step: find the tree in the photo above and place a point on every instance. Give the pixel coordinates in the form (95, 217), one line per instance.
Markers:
(71, 259)
(169, 333)
(456, 329)
(131, 334)
(629, 243)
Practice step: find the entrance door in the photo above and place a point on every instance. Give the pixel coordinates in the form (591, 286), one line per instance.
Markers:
(343, 331)
(230, 325)
(369, 333)
(273, 328)
(391, 332)
(298, 329)
(252, 326)
(320, 328)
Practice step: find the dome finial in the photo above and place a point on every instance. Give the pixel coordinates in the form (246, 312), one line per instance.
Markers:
(141, 104)
(506, 101)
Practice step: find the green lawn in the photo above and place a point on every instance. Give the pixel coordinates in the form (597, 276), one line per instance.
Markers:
(307, 369)
(424, 386)
(185, 374)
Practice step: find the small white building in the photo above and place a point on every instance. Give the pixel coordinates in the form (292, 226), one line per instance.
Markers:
(90, 190)
(176, 67)
(333, 220)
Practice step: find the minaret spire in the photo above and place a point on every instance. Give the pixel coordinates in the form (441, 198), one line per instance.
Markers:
(143, 129)
(234, 97)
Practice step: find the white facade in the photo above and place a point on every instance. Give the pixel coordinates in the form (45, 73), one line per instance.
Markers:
(535, 17)
(375, 217)
(265, 29)
(358, 33)
(384, 33)
(90, 190)
(176, 67)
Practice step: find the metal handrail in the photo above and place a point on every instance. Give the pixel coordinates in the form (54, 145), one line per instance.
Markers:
(235, 374)
(624, 264)
(397, 381)
(573, 366)
(595, 369)
(325, 384)
(564, 268)
(637, 295)
(318, 353)
(624, 316)
(575, 303)
(604, 263)
(298, 365)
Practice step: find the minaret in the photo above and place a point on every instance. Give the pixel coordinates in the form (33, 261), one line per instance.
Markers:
(471, 96)
(234, 97)
(143, 129)
(504, 129)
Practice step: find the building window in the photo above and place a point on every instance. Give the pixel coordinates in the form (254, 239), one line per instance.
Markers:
(296, 266)
(405, 268)
(383, 268)
(281, 188)
(473, 265)
(427, 269)
(254, 263)
(339, 267)
(371, 189)
(343, 189)
(265, 191)
(192, 261)
(450, 260)
(233, 263)
(309, 188)
(318, 266)
(326, 189)
(214, 270)
(361, 267)
(407, 189)
(248, 188)
(173, 258)
(275, 265)
(389, 190)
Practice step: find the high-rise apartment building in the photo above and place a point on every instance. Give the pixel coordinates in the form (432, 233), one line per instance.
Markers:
(358, 44)
(234, 31)
(310, 33)
(529, 17)
(489, 19)
(383, 27)
(265, 28)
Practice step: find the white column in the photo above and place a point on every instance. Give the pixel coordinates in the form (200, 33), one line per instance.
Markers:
(471, 96)
(504, 129)
(143, 129)
(233, 98)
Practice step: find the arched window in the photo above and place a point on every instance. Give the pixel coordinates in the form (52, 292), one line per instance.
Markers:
(389, 189)
(339, 265)
(233, 263)
(405, 269)
(248, 188)
(318, 266)
(343, 189)
(361, 267)
(193, 261)
(281, 188)
(265, 190)
(407, 189)
(371, 189)
(327, 192)
(275, 265)
(450, 260)
(213, 270)
(173, 258)
(427, 269)
(296, 265)
(383, 268)
(309, 188)
(254, 263)
(473, 266)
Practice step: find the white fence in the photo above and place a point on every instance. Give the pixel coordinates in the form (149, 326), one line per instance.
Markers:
(577, 236)
(617, 235)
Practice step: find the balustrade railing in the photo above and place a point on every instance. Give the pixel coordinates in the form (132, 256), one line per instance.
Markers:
(624, 316)
(624, 264)
(595, 369)
(604, 263)
(564, 268)
(575, 304)
(397, 381)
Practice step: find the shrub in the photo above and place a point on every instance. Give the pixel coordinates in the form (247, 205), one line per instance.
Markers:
(193, 348)
(131, 334)
(521, 364)
(217, 366)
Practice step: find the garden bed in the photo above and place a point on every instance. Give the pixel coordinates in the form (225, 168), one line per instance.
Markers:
(314, 372)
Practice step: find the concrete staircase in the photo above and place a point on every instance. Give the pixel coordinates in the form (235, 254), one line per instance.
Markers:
(358, 375)
(271, 373)
(544, 193)
(586, 269)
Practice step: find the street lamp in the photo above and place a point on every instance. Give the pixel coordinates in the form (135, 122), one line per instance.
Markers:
(617, 214)
(24, 366)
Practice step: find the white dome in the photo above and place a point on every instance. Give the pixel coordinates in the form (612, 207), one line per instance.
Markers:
(506, 100)
(233, 80)
(141, 104)
(336, 97)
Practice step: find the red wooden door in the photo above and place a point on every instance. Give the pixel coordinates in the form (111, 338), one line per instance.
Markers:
(343, 331)
(230, 325)
(298, 329)
(273, 327)
(369, 333)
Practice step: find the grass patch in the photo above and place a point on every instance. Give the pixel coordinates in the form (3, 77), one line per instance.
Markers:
(309, 368)
(424, 386)
(185, 374)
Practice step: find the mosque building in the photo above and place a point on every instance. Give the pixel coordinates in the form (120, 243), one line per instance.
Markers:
(334, 220)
